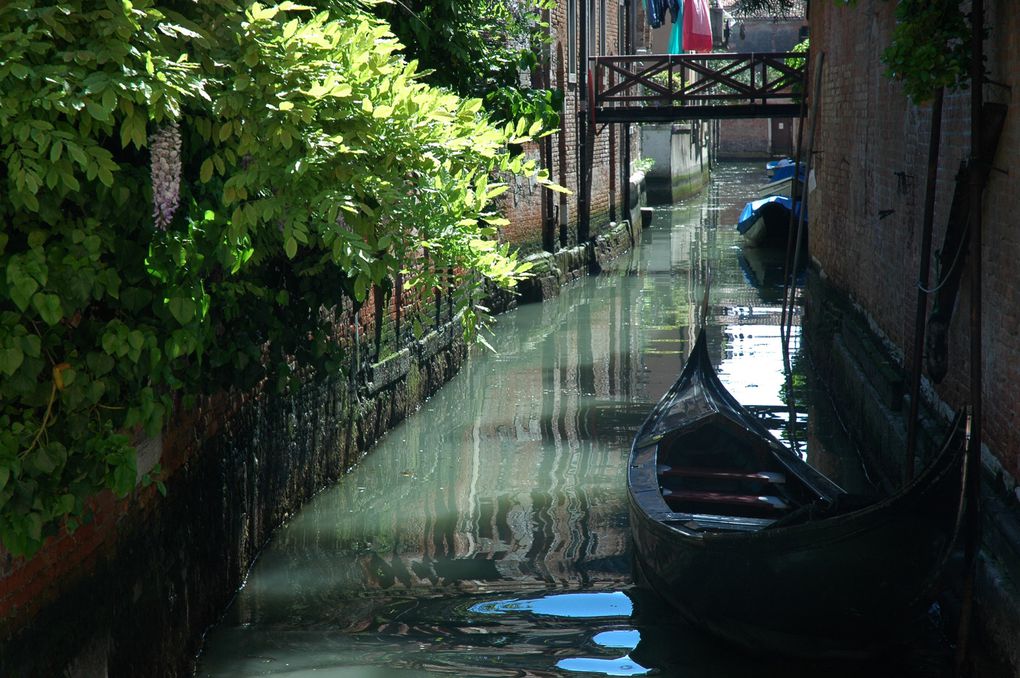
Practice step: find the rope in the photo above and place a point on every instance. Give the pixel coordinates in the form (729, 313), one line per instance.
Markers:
(945, 279)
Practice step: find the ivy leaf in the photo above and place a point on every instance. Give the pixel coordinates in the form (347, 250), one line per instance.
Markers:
(42, 461)
(99, 363)
(31, 345)
(183, 309)
(49, 307)
(123, 479)
(65, 504)
(34, 524)
(10, 360)
(22, 286)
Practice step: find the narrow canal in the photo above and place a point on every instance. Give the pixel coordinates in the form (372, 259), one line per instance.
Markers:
(488, 534)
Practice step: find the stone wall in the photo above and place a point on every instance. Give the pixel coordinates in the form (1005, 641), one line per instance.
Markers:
(681, 155)
(870, 162)
(131, 593)
(552, 271)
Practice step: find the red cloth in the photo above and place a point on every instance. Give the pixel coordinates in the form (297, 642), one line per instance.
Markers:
(697, 26)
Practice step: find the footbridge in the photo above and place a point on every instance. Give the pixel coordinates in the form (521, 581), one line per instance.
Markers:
(671, 87)
(638, 88)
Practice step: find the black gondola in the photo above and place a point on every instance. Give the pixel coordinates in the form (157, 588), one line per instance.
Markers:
(749, 542)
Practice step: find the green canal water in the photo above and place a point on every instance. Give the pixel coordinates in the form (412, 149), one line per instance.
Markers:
(488, 534)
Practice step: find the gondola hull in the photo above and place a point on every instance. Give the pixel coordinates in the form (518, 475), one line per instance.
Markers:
(821, 581)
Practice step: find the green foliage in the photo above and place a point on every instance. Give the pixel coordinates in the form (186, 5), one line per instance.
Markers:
(802, 47)
(478, 48)
(316, 165)
(776, 8)
(644, 165)
(930, 47)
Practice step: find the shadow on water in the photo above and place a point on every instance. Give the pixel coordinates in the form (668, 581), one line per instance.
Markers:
(488, 534)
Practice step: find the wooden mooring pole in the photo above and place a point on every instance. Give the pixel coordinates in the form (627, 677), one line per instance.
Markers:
(973, 472)
(921, 309)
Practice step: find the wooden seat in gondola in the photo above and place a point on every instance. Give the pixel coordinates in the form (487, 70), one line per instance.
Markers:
(771, 477)
(724, 503)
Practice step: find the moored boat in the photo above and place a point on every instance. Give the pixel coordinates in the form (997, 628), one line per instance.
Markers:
(780, 166)
(749, 542)
(766, 222)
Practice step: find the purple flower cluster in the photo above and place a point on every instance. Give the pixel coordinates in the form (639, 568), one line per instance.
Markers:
(165, 153)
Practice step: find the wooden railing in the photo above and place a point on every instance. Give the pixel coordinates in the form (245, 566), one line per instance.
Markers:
(654, 87)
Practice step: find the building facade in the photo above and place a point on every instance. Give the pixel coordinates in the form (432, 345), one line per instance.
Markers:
(870, 160)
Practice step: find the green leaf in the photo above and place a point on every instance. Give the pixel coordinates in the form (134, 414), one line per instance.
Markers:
(34, 524)
(5, 475)
(183, 309)
(31, 345)
(42, 461)
(206, 171)
(99, 363)
(360, 287)
(22, 286)
(65, 504)
(97, 111)
(10, 360)
(290, 247)
(49, 307)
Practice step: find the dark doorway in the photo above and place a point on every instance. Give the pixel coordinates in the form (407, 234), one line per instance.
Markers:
(782, 136)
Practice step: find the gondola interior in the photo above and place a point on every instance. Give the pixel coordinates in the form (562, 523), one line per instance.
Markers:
(719, 467)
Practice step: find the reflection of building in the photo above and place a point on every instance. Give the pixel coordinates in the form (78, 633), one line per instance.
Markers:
(512, 480)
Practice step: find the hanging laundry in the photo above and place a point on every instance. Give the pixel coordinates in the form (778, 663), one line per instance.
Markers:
(656, 10)
(676, 11)
(676, 41)
(697, 36)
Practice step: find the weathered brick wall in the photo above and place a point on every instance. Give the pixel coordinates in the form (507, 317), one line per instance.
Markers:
(523, 204)
(130, 592)
(871, 156)
(871, 159)
(744, 139)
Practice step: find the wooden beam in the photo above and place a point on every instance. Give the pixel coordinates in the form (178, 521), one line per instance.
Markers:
(618, 114)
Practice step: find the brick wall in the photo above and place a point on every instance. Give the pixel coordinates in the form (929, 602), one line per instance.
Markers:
(871, 156)
(523, 202)
(871, 160)
(744, 138)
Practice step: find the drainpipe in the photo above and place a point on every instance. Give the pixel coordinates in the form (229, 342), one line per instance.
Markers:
(626, 47)
(545, 78)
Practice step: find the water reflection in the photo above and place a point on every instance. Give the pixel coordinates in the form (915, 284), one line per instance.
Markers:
(488, 535)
